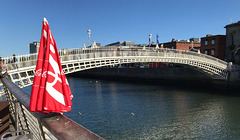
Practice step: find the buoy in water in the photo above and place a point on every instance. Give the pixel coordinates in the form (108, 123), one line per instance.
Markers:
(132, 114)
(79, 113)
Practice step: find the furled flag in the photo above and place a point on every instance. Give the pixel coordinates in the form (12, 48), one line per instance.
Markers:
(50, 90)
(157, 40)
(157, 47)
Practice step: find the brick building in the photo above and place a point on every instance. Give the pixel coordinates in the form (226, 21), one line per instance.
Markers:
(177, 44)
(183, 44)
(232, 50)
(214, 45)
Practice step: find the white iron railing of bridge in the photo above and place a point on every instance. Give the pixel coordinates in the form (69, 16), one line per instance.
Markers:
(29, 60)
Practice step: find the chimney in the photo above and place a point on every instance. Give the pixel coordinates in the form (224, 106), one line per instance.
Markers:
(173, 40)
(208, 35)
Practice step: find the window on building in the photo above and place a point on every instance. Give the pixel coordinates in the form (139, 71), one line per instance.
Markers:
(232, 42)
(206, 42)
(212, 52)
(206, 51)
(213, 41)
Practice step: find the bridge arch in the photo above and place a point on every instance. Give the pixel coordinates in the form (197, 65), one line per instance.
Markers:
(210, 70)
(74, 60)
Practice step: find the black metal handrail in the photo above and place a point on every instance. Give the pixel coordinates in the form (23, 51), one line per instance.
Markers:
(59, 125)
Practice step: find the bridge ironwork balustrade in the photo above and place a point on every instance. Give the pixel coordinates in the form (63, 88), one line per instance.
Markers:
(86, 53)
(86, 58)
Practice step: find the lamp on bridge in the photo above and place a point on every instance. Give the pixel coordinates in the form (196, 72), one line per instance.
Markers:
(89, 33)
(150, 36)
(89, 40)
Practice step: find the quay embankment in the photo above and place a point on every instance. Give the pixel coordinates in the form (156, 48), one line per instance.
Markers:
(184, 77)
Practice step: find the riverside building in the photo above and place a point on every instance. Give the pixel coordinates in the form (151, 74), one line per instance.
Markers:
(232, 50)
(183, 44)
(214, 45)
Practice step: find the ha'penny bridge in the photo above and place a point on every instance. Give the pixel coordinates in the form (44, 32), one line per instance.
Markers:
(74, 60)
(57, 126)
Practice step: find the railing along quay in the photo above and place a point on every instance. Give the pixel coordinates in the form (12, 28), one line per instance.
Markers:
(51, 126)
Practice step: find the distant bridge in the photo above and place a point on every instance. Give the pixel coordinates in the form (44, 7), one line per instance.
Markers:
(74, 60)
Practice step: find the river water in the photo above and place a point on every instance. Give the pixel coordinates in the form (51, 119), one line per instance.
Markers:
(119, 110)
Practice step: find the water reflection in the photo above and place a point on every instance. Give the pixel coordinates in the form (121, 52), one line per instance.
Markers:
(159, 112)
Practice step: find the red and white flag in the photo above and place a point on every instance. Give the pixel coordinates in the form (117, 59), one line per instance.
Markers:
(50, 90)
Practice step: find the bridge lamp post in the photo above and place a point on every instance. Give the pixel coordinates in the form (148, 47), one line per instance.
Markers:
(150, 36)
(89, 40)
(89, 33)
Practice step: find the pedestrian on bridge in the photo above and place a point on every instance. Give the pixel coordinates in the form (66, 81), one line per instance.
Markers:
(1, 69)
(14, 61)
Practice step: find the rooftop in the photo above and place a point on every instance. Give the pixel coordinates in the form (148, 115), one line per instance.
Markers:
(233, 24)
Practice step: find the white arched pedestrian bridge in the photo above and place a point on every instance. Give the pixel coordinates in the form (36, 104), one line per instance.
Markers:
(74, 60)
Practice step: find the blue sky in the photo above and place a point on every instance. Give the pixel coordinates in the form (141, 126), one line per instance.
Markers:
(110, 21)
